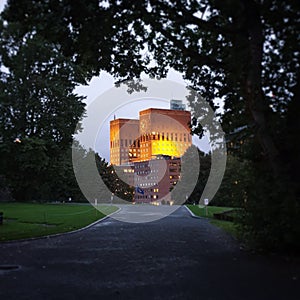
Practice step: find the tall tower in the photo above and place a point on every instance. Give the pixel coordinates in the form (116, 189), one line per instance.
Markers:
(164, 132)
(123, 134)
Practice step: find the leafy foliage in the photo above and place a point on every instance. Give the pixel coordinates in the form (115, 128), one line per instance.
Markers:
(188, 164)
(113, 181)
(38, 114)
(236, 184)
(243, 52)
(89, 177)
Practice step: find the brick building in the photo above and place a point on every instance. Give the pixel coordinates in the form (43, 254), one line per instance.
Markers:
(123, 135)
(152, 147)
(155, 178)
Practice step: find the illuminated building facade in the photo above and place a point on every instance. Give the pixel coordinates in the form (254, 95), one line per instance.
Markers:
(164, 132)
(152, 146)
(123, 135)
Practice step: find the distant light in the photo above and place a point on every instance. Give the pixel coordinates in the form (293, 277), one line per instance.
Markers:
(17, 140)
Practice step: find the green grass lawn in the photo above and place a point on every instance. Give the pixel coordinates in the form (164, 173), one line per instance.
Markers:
(227, 226)
(25, 220)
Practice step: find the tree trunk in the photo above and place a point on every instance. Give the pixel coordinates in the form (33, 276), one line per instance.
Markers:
(254, 94)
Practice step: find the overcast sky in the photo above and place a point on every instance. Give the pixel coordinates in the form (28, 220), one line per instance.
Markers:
(2, 3)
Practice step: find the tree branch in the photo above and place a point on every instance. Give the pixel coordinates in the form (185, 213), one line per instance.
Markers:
(187, 52)
(188, 18)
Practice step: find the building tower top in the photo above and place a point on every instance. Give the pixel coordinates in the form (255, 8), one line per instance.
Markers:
(177, 105)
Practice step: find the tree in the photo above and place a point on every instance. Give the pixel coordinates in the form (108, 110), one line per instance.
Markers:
(111, 177)
(89, 167)
(245, 52)
(188, 163)
(238, 180)
(239, 54)
(38, 109)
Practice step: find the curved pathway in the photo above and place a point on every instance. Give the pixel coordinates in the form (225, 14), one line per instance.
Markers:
(178, 257)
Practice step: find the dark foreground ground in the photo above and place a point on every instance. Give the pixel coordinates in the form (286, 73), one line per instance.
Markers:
(178, 257)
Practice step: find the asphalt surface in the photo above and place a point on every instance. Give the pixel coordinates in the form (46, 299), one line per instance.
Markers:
(177, 257)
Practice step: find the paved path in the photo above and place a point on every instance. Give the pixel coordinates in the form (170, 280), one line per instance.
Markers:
(178, 257)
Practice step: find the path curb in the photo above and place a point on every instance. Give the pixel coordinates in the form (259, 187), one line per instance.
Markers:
(192, 214)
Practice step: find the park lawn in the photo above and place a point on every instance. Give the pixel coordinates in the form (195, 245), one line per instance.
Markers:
(27, 220)
(227, 226)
